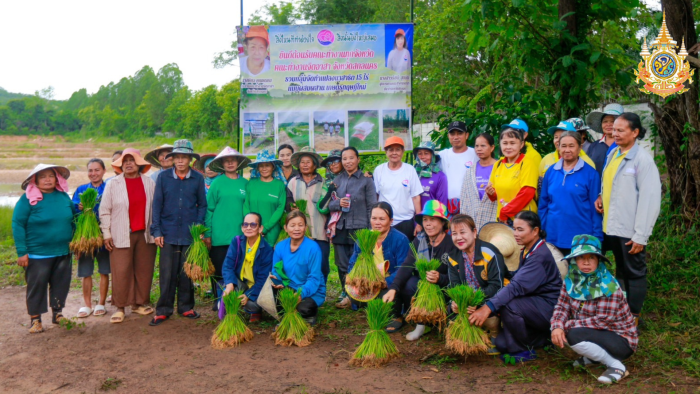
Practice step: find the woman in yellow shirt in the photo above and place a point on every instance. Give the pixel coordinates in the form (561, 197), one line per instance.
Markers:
(513, 181)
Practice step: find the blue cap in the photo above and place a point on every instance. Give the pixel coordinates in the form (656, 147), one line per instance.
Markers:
(563, 125)
(517, 124)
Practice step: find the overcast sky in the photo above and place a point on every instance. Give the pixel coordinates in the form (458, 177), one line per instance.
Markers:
(84, 44)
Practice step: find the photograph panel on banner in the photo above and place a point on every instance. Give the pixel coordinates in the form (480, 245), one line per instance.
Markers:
(258, 132)
(395, 122)
(329, 130)
(343, 76)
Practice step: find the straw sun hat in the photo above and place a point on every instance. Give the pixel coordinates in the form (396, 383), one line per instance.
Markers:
(63, 171)
(152, 156)
(501, 236)
(144, 166)
(217, 165)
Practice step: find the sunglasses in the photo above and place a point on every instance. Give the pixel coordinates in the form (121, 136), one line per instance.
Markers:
(251, 225)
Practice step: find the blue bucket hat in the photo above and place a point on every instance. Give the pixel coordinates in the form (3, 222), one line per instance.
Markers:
(265, 156)
(563, 125)
(517, 124)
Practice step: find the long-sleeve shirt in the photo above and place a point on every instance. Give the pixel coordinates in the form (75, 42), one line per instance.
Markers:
(567, 203)
(233, 263)
(268, 199)
(489, 268)
(44, 229)
(537, 275)
(394, 248)
(225, 203)
(177, 205)
(100, 189)
(516, 185)
(363, 195)
(603, 313)
(311, 192)
(302, 267)
(114, 211)
(445, 251)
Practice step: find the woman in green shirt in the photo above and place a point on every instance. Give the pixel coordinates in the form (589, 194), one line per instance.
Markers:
(42, 226)
(266, 194)
(225, 201)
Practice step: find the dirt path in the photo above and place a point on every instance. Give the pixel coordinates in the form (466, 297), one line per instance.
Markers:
(326, 143)
(176, 358)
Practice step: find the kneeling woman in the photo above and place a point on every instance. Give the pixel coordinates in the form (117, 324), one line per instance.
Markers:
(431, 243)
(527, 303)
(298, 266)
(592, 315)
(248, 263)
(392, 246)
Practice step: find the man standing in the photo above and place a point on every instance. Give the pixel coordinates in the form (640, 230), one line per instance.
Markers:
(179, 201)
(397, 183)
(455, 162)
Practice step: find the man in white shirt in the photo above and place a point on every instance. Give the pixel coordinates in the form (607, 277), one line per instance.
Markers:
(398, 184)
(455, 162)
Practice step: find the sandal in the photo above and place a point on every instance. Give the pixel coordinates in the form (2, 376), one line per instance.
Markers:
(117, 317)
(84, 312)
(613, 375)
(36, 327)
(100, 310)
(394, 326)
(191, 314)
(158, 319)
(143, 310)
(57, 317)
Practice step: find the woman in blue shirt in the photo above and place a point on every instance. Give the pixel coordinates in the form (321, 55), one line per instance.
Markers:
(567, 199)
(297, 265)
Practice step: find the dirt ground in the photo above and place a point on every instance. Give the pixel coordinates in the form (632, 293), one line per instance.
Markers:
(326, 143)
(176, 357)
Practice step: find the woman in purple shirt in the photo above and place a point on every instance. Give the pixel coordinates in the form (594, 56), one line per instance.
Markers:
(433, 181)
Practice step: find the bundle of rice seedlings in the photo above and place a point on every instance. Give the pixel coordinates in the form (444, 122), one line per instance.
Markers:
(283, 234)
(377, 349)
(365, 276)
(232, 331)
(198, 266)
(87, 238)
(463, 337)
(428, 305)
(293, 329)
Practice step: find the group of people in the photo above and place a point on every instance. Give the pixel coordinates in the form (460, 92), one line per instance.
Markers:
(330, 128)
(495, 224)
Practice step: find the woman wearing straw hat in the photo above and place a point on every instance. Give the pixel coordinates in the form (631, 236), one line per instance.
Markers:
(602, 122)
(202, 166)
(399, 58)
(42, 226)
(225, 201)
(526, 304)
(474, 201)
(432, 179)
(568, 194)
(592, 315)
(179, 202)
(266, 194)
(125, 220)
(308, 185)
(431, 243)
(159, 159)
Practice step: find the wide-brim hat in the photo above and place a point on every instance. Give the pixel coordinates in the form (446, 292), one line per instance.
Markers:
(266, 299)
(586, 244)
(183, 147)
(152, 156)
(63, 171)
(144, 166)
(217, 164)
(335, 154)
(559, 259)
(594, 120)
(306, 151)
(501, 236)
(199, 163)
(265, 156)
(433, 208)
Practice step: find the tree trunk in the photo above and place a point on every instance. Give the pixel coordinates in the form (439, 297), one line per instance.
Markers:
(678, 120)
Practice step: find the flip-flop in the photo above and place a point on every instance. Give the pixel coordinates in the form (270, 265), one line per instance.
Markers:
(143, 310)
(84, 312)
(117, 317)
(158, 320)
(191, 314)
(100, 310)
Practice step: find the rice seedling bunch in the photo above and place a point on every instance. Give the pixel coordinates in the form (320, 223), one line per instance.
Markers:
(428, 305)
(87, 238)
(463, 337)
(198, 266)
(377, 349)
(283, 234)
(293, 329)
(302, 205)
(232, 331)
(365, 275)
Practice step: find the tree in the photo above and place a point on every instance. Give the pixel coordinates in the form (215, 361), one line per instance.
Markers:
(678, 117)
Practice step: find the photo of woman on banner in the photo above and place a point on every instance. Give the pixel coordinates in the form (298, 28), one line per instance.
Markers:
(399, 59)
(257, 45)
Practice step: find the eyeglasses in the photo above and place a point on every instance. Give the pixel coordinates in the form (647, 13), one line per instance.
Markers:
(251, 225)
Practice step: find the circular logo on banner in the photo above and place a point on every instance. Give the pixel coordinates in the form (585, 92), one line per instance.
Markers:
(405, 183)
(325, 37)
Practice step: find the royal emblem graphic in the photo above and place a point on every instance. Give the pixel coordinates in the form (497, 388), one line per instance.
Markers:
(663, 71)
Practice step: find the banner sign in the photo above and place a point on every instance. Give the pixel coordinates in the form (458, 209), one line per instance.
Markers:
(325, 86)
